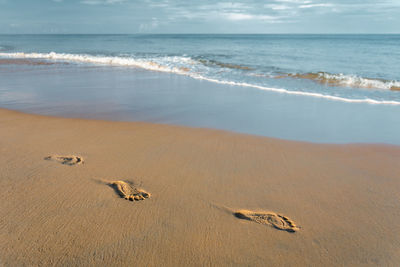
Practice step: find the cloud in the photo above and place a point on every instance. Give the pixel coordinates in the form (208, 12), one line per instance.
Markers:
(148, 27)
(294, 1)
(316, 5)
(101, 2)
(209, 11)
(277, 7)
(244, 16)
(161, 16)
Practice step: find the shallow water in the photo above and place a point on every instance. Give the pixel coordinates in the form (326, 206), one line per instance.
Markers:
(354, 68)
(319, 88)
(134, 94)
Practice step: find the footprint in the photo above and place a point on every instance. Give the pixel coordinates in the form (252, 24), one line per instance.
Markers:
(127, 191)
(67, 160)
(268, 218)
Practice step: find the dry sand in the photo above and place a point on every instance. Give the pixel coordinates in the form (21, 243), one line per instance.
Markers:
(217, 198)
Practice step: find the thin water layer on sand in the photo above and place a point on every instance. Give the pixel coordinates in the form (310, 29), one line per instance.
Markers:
(134, 94)
(23, 61)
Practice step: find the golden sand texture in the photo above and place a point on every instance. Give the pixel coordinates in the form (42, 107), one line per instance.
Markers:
(345, 198)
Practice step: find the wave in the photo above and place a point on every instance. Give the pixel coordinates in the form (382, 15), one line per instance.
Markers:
(301, 93)
(103, 60)
(180, 65)
(207, 62)
(345, 80)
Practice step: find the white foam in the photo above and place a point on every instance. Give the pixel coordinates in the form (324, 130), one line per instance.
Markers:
(356, 81)
(285, 91)
(104, 60)
(164, 67)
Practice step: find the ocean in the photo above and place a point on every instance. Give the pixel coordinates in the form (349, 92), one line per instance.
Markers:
(315, 88)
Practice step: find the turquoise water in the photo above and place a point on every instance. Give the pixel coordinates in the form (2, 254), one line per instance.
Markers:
(319, 88)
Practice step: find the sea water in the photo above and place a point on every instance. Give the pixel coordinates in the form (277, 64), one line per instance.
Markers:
(318, 88)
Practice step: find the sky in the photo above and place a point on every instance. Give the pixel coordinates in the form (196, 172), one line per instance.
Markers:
(199, 16)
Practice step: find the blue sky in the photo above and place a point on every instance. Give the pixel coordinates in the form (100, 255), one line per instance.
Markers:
(201, 16)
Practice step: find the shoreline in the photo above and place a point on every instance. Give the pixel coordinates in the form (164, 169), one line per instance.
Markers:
(80, 117)
(213, 197)
(141, 95)
(320, 77)
(90, 116)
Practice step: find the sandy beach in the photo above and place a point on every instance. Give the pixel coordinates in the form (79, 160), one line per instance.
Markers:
(77, 192)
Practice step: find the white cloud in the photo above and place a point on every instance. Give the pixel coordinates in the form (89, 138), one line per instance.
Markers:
(238, 16)
(102, 2)
(294, 1)
(277, 7)
(316, 5)
(244, 16)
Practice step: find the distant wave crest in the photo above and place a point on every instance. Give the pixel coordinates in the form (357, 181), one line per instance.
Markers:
(183, 65)
(345, 80)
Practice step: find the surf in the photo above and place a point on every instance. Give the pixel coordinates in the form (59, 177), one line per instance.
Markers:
(186, 66)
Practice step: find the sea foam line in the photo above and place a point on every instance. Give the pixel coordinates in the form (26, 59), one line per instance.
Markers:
(151, 65)
(300, 93)
(345, 80)
(104, 60)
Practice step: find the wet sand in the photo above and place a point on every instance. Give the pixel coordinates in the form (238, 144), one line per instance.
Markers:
(97, 193)
(13, 61)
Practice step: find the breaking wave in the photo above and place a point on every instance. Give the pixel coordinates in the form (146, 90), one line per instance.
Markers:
(345, 80)
(104, 60)
(184, 65)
